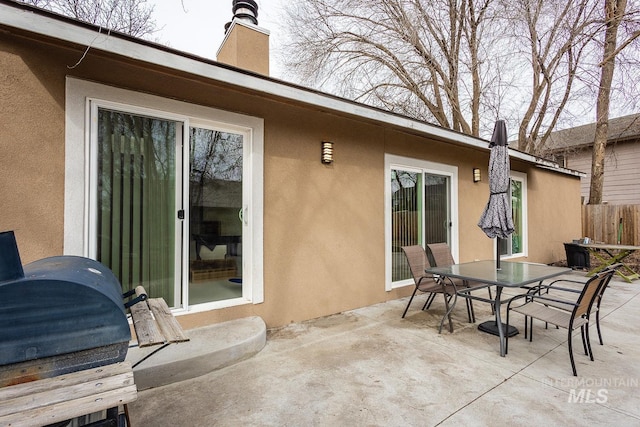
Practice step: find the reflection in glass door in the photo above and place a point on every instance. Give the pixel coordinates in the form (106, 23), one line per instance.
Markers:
(406, 218)
(215, 223)
(437, 209)
(136, 201)
(420, 214)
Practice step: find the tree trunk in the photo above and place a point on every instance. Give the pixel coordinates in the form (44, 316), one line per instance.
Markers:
(614, 11)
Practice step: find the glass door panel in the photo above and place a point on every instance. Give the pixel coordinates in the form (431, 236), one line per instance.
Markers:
(515, 244)
(215, 223)
(136, 201)
(437, 209)
(406, 218)
(517, 236)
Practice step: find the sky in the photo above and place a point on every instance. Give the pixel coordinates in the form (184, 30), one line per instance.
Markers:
(197, 26)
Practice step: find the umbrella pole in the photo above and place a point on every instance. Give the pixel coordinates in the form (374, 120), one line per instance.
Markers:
(491, 326)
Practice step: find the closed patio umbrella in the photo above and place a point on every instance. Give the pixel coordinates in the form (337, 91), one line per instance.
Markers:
(497, 219)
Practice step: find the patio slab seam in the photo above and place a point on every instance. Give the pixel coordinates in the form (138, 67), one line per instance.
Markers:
(619, 306)
(478, 397)
(271, 338)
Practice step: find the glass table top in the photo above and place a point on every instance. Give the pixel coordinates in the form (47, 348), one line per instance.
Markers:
(512, 274)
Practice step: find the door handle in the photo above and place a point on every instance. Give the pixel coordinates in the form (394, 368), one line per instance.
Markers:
(242, 215)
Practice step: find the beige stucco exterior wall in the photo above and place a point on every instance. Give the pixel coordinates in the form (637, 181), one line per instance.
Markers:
(324, 244)
(554, 214)
(31, 153)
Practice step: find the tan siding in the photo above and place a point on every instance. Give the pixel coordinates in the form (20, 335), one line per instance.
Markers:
(621, 173)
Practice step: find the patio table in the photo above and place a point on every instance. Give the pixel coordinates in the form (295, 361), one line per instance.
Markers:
(510, 275)
(612, 254)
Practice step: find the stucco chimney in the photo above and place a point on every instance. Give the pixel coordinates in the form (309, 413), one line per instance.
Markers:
(245, 44)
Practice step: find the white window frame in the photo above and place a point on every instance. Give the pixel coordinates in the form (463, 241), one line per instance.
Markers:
(521, 177)
(80, 95)
(392, 161)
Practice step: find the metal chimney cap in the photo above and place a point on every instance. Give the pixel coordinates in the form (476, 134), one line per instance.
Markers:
(246, 10)
(243, 10)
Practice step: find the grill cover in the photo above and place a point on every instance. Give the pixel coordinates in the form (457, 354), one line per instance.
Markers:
(62, 305)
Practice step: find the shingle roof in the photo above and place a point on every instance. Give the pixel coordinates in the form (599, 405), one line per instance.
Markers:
(620, 129)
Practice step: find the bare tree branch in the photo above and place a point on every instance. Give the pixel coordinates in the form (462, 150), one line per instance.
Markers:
(448, 61)
(420, 58)
(132, 17)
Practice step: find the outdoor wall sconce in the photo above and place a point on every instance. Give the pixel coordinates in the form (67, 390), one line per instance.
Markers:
(476, 175)
(327, 152)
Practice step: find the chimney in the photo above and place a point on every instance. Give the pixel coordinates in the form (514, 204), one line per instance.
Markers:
(245, 45)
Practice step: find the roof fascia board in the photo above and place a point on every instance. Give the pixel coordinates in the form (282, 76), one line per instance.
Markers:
(49, 26)
(52, 27)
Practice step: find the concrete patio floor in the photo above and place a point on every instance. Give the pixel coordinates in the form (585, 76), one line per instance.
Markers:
(371, 367)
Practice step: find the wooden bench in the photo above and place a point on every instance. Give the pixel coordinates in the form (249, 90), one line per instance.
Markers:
(64, 397)
(153, 321)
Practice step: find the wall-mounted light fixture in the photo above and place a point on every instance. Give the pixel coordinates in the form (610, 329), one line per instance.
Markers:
(327, 152)
(476, 175)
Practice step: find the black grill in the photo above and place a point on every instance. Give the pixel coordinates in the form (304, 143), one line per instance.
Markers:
(57, 315)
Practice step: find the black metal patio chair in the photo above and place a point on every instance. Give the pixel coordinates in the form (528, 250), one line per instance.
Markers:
(538, 306)
(565, 301)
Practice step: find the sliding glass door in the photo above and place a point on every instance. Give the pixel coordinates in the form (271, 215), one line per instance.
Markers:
(167, 194)
(188, 250)
(422, 209)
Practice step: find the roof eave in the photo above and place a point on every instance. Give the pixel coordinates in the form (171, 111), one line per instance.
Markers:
(50, 25)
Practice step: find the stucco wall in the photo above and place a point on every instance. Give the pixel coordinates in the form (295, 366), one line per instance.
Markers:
(323, 225)
(31, 150)
(554, 214)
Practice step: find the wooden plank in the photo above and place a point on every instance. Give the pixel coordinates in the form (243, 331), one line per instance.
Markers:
(67, 396)
(146, 329)
(70, 409)
(167, 323)
(72, 378)
(635, 233)
(60, 393)
(601, 223)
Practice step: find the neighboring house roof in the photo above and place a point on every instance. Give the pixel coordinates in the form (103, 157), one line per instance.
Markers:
(620, 129)
(48, 24)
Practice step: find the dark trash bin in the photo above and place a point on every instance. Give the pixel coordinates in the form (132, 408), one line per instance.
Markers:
(577, 256)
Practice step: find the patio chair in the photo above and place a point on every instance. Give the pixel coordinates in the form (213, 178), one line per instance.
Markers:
(440, 254)
(418, 261)
(536, 306)
(565, 301)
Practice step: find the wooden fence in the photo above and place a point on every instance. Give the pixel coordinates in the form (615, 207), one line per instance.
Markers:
(612, 223)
